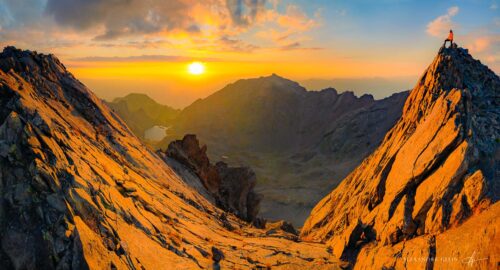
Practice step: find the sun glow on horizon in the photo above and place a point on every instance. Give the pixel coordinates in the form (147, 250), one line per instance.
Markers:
(196, 68)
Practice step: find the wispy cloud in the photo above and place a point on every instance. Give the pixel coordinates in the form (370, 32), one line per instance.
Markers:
(235, 45)
(480, 44)
(297, 46)
(138, 44)
(245, 12)
(442, 24)
(485, 45)
(141, 58)
(288, 30)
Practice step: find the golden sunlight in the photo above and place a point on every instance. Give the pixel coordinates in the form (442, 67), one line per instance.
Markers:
(196, 68)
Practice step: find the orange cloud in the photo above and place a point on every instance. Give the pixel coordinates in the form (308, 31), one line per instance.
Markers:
(295, 18)
(480, 44)
(287, 30)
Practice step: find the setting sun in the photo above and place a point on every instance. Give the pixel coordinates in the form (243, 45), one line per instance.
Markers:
(196, 68)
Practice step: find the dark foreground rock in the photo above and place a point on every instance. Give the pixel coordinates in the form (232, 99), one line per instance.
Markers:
(231, 187)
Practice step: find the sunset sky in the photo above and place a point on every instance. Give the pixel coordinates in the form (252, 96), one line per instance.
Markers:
(122, 46)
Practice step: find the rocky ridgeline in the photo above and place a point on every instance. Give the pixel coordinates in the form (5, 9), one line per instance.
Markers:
(427, 198)
(79, 191)
(232, 188)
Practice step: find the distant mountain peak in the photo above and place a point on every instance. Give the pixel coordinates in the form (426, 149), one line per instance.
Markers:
(134, 96)
(275, 78)
(266, 84)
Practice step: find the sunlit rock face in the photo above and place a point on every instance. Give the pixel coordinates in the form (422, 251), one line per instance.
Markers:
(431, 189)
(78, 190)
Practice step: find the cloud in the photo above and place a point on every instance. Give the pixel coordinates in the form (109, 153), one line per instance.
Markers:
(140, 58)
(236, 45)
(480, 44)
(210, 25)
(121, 17)
(138, 44)
(225, 44)
(20, 12)
(295, 18)
(245, 12)
(484, 43)
(288, 30)
(297, 46)
(36, 39)
(442, 24)
(291, 46)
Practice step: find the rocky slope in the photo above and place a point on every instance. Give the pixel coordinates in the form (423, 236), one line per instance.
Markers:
(427, 198)
(299, 143)
(79, 191)
(231, 188)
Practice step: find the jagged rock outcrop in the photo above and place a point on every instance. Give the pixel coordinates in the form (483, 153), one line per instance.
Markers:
(232, 188)
(79, 191)
(427, 198)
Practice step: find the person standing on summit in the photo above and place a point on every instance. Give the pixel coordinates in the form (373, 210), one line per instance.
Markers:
(450, 39)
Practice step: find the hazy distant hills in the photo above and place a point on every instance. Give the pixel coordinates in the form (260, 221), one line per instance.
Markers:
(141, 112)
(300, 143)
(379, 86)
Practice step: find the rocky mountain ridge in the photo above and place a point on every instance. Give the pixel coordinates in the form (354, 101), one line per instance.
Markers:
(79, 191)
(433, 178)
